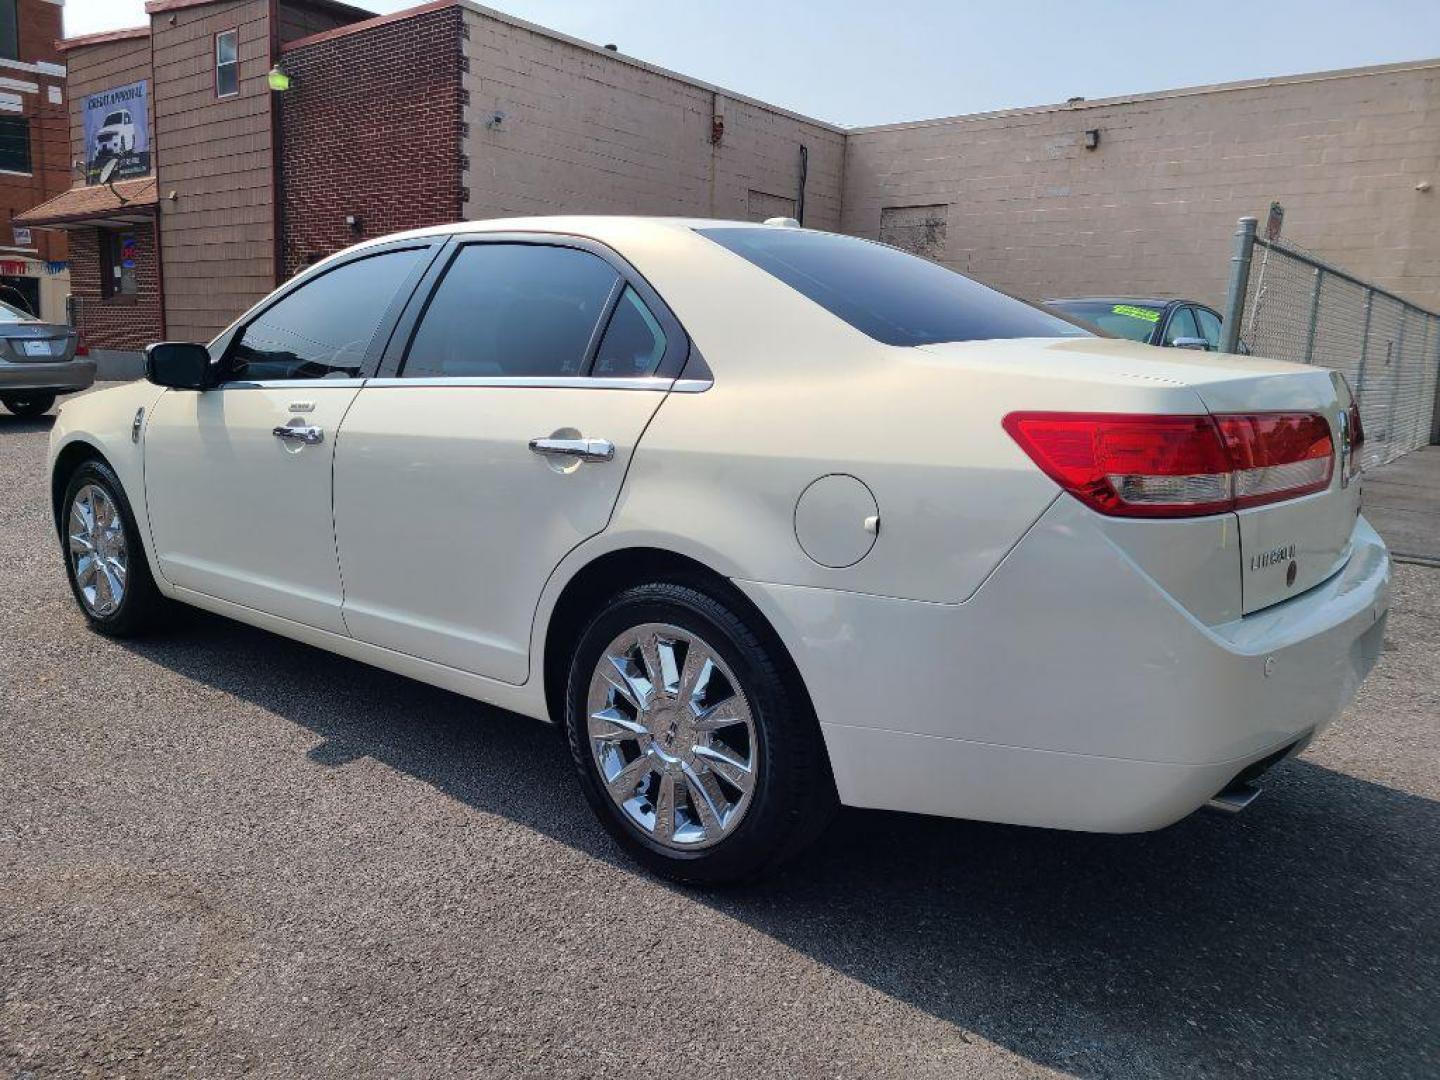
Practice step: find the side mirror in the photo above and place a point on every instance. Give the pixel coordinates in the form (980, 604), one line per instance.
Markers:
(1191, 343)
(181, 365)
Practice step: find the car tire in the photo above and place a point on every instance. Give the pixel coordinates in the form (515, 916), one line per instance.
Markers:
(735, 742)
(101, 547)
(28, 405)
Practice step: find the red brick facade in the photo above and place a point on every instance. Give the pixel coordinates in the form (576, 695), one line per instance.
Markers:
(124, 323)
(49, 130)
(371, 127)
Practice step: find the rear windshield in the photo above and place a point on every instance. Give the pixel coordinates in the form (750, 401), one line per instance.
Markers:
(895, 297)
(1123, 318)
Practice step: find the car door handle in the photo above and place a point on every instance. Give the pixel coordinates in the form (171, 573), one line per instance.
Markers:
(309, 435)
(584, 449)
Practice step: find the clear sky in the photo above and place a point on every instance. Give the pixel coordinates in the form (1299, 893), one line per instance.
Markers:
(878, 61)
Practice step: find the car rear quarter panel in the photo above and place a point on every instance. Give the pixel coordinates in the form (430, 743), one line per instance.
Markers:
(726, 468)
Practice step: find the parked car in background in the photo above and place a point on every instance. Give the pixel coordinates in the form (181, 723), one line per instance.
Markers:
(1179, 324)
(38, 362)
(767, 518)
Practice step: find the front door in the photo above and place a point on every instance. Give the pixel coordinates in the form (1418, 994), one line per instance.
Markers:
(238, 478)
(502, 444)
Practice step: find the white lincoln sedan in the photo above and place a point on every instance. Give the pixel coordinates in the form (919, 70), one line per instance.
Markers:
(768, 519)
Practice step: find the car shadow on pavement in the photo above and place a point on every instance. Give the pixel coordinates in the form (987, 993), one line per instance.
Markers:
(1298, 939)
(17, 425)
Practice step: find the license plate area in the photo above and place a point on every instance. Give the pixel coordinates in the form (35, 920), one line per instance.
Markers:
(37, 347)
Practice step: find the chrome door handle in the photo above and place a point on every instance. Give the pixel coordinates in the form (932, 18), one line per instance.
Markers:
(584, 449)
(308, 435)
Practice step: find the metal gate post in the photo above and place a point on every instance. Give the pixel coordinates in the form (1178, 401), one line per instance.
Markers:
(1240, 256)
(1314, 315)
(1396, 384)
(1364, 345)
(1435, 413)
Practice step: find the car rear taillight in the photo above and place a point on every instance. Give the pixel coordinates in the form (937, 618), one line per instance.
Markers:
(1129, 465)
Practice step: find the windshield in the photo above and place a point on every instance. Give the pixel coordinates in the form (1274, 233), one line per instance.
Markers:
(1123, 318)
(114, 118)
(894, 297)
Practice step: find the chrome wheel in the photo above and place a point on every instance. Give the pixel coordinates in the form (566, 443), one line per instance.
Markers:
(672, 735)
(99, 556)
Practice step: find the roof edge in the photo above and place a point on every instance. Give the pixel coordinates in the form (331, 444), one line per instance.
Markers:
(367, 24)
(1158, 95)
(104, 37)
(645, 65)
(553, 35)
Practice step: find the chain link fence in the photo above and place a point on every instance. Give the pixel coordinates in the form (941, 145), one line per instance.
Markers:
(1291, 305)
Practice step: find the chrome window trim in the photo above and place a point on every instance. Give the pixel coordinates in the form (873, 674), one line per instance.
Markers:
(552, 382)
(296, 384)
(659, 383)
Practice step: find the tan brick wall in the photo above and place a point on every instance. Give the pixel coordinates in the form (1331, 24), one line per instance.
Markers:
(588, 132)
(218, 234)
(1152, 209)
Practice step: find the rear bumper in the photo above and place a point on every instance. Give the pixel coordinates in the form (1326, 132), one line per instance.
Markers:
(61, 378)
(1071, 691)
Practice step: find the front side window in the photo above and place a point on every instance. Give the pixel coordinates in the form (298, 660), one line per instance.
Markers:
(323, 328)
(512, 310)
(117, 263)
(633, 344)
(1209, 327)
(14, 145)
(227, 63)
(9, 30)
(894, 297)
(1181, 325)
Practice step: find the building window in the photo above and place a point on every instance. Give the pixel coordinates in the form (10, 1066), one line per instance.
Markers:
(9, 30)
(117, 263)
(14, 145)
(227, 63)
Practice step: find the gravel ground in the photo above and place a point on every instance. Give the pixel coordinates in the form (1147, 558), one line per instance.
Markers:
(223, 853)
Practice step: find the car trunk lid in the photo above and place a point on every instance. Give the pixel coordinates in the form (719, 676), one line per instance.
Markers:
(37, 342)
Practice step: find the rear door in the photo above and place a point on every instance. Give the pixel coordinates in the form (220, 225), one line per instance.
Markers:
(238, 478)
(518, 389)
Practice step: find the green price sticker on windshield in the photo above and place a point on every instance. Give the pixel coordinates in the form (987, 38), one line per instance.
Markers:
(1144, 313)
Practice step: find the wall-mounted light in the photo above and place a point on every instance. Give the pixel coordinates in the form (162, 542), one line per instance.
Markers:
(278, 80)
(353, 223)
(1092, 138)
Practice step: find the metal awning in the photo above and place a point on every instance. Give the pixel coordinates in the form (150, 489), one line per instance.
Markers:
(131, 202)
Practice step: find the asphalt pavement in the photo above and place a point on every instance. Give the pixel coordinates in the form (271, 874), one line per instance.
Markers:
(227, 854)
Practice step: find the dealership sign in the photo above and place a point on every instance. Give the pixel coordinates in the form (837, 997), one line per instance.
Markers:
(117, 128)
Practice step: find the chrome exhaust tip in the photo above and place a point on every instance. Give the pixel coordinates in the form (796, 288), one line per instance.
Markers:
(1234, 798)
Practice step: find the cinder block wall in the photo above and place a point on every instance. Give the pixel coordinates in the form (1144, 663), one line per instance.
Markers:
(1016, 199)
(587, 131)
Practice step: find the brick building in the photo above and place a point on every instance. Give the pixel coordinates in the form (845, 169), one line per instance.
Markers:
(449, 110)
(34, 157)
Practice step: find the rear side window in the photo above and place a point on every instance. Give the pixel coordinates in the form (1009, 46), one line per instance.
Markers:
(324, 327)
(633, 343)
(512, 310)
(894, 297)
